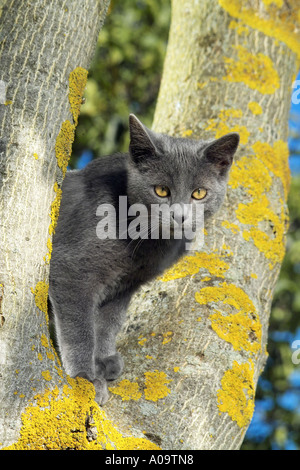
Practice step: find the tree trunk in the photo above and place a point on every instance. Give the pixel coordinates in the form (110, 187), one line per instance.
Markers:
(195, 340)
(44, 51)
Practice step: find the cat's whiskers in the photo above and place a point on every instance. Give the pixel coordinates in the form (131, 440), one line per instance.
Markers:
(132, 217)
(150, 230)
(146, 230)
(141, 217)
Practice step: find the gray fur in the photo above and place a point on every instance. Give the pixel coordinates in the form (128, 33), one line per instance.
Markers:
(92, 280)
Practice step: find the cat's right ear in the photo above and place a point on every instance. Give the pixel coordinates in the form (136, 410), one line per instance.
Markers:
(221, 151)
(141, 145)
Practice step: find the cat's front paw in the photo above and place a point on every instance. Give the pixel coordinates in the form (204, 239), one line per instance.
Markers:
(114, 366)
(101, 389)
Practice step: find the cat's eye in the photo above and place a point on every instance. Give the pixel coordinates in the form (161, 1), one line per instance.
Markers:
(162, 191)
(199, 193)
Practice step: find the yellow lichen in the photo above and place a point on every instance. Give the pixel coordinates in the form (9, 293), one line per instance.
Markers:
(63, 145)
(226, 250)
(77, 83)
(279, 23)
(231, 226)
(155, 385)
(256, 71)
(273, 246)
(187, 133)
(240, 29)
(276, 159)
(47, 257)
(55, 209)
(50, 352)
(236, 397)
(61, 420)
(242, 329)
(255, 211)
(142, 341)
(50, 355)
(192, 264)
(46, 375)
(127, 390)
(201, 85)
(225, 123)
(167, 337)
(41, 296)
(54, 217)
(44, 341)
(253, 173)
(255, 108)
(59, 369)
(250, 173)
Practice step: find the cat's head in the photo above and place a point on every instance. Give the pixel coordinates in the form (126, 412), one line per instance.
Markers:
(178, 172)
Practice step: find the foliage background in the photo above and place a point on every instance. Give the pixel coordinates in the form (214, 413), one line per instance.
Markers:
(125, 77)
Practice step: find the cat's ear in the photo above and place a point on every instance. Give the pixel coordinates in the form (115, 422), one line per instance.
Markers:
(141, 144)
(220, 152)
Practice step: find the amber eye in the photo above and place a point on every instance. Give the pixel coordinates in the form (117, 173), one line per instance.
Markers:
(199, 194)
(162, 191)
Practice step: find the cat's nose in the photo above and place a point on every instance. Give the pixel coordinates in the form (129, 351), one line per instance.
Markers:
(179, 216)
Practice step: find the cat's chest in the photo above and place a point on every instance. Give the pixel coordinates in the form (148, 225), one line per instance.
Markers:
(151, 260)
(141, 265)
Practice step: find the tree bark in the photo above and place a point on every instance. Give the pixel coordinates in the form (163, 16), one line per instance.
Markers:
(44, 51)
(195, 340)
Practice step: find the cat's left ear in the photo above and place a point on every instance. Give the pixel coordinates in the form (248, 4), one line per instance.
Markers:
(221, 151)
(141, 141)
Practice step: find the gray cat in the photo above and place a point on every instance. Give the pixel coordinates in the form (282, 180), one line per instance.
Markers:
(93, 277)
